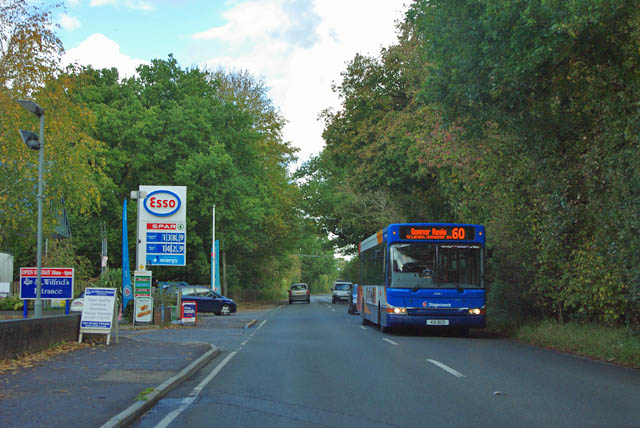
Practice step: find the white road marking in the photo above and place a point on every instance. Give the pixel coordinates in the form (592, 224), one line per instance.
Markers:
(446, 368)
(186, 402)
(253, 334)
(333, 310)
(389, 341)
(363, 327)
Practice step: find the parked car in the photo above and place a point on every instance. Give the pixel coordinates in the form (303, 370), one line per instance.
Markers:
(353, 303)
(341, 291)
(299, 292)
(206, 299)
(77, 304)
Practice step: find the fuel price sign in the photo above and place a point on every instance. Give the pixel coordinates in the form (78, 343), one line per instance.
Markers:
(163, 231)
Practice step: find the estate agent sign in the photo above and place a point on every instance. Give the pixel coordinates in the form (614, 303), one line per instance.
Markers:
(98, 312)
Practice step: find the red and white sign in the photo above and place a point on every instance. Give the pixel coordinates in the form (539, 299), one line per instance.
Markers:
(52, 272)
(162, 226)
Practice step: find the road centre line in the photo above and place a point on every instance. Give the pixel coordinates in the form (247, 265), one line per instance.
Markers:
(390, 341)
(446, 368)
(186, 402)
(253, 334)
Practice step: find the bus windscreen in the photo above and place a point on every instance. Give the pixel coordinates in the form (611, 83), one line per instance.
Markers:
(423, 265)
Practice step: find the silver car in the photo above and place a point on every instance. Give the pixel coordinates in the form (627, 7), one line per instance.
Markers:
(299, 292)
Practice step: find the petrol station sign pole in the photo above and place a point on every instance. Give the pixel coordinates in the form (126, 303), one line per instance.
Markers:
(161, 236)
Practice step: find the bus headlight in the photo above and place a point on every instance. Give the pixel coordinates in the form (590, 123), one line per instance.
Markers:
(396, 310)
(477, 311)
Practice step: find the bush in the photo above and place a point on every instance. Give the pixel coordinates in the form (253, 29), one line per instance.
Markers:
(507, 305)
(12, 303)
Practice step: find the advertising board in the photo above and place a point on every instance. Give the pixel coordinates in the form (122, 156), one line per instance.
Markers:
(189, 312)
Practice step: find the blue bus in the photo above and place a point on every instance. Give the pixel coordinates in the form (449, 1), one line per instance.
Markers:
(423, 274)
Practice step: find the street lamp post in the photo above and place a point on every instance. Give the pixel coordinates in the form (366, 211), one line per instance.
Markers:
(35, 143)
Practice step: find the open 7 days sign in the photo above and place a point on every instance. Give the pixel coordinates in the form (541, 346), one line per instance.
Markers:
(162, 227)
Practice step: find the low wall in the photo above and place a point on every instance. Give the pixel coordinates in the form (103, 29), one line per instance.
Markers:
(36, 334)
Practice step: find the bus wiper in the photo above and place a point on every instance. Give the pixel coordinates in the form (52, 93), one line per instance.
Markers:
(418, 285)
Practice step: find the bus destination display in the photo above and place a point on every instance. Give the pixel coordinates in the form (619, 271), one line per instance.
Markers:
(450, 233)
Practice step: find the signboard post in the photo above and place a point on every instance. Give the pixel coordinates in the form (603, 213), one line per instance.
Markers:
(57, 283)
(99, 312)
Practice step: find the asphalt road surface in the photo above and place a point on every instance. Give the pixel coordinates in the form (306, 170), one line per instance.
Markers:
(314, 365)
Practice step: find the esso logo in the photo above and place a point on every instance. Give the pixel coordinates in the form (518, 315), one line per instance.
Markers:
(162, 203)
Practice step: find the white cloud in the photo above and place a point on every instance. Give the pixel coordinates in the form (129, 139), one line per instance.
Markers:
(130, 4)
(300, 74)
(247, 20)
(99, 52)
(68, 22)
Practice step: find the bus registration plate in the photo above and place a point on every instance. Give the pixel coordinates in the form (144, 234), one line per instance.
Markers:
(437, 322)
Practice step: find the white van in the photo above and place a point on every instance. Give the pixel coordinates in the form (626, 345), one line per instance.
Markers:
(341, 291)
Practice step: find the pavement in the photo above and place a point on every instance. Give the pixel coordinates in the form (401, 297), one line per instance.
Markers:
(111, 386)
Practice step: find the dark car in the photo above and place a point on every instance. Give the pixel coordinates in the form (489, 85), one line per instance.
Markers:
(353, 303)
(206, 299)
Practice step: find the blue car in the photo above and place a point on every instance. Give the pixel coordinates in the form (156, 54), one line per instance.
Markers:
(353, 301)
(206, 299)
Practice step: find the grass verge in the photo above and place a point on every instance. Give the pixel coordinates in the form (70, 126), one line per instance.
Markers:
(256, 305)
(613, 344)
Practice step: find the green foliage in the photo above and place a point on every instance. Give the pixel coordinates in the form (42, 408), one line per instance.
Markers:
(12, 303)
(350, 271)
(614, 344)
(216, 133)
(521, 115)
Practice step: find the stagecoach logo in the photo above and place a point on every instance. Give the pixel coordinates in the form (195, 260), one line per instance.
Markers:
(436, 305)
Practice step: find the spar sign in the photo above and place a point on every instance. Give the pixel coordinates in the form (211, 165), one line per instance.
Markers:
(57, 283)
(162, 226)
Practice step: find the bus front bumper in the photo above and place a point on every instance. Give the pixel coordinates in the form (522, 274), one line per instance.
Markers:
(472, 321)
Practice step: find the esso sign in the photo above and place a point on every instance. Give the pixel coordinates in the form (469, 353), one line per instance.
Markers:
(162, 203)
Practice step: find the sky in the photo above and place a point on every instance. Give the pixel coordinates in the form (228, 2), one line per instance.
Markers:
(297, 47)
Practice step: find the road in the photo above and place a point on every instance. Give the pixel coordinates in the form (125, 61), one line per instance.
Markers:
(314, 365)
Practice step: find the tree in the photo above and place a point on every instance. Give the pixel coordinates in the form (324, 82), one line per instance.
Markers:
(29, 56)
(219, 135)
(29, 47)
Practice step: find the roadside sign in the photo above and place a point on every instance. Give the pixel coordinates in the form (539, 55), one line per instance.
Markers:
(98, 312)
(189, 311)
(141, 284)
(143, 309)
(57, 283)
(162, 226)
